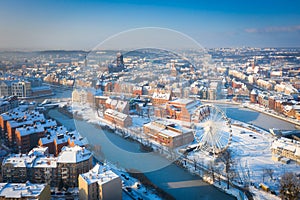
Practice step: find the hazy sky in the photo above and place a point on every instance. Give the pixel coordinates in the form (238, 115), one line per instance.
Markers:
(83, 24)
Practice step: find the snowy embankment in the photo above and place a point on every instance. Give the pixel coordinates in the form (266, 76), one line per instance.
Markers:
(250, 147)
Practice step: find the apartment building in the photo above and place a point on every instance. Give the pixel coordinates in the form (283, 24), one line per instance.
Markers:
(71, 162)
(100, 183)
(38, 166)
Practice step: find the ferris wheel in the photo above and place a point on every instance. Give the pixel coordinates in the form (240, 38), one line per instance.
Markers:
(212, 129)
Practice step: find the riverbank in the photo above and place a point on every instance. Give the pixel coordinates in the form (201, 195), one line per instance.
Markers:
(220, 102)
(146, 190)
(162, 177)
(256, 108)
(270, 113)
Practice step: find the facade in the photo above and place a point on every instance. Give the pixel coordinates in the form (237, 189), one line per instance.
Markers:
(14, 191)
(21, 89)
(137, 90)
(28, 119)
(58, 137)
(284, 148)
(41, 91)
(118, 105)
(4, 117)
(100, 101)
(8, 103)
(85, 95)
(119, 66)
(263, 99)
(100, 183)
(168, 134)
(24, 89)
(28, 137)
(253, 96)
(71, 162)
(214, 90)
(38, 166)
(159, 98)
(117, 118)
(181, 109)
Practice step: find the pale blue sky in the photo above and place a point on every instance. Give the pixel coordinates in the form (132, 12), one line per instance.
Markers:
(83, 24)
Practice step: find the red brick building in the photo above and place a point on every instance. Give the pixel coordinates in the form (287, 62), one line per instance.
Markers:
(181, 109)
(117, 118)
(168, 134)
(28, 137)
(159, 98)
(137, 90)
(253, 96)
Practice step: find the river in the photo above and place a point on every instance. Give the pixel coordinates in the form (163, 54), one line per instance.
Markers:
(171, 178)
(258, 119)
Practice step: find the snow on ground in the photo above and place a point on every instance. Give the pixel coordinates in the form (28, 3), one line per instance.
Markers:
(253, 156)
(132, 187)
(138, 121)
(250, 147)
(271, 112)
(253, 151)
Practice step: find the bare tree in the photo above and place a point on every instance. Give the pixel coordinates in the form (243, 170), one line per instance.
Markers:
(269, 172)
(228, 161)
(290, 186)
(211, 167)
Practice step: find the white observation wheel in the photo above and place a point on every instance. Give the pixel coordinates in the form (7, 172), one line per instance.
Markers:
(212, 129)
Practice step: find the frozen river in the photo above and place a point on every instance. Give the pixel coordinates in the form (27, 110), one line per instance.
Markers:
(252, 117)
(172, 179)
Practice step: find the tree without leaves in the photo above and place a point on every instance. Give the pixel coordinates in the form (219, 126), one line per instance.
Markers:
(228, 161)
(290, 186)
(269, 172)
(211, 168)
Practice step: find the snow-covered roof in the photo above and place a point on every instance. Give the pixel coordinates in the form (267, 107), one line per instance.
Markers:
(33, 116)
(30, 130)
(100, 174)
(57, 130)
(167, 129)
(254, 92)
(61, 135)
(61, 138)
(113, 113)
(19, 160)
(48, 139)
(74, 154)
(45, 162)
(287, 144)
(13, 114)
(38, 151)
(19, 123)
(21, 190)
(158, 95)
(182, 101)
(47, 123)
